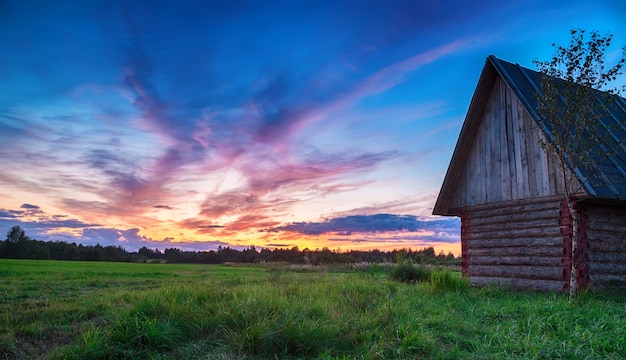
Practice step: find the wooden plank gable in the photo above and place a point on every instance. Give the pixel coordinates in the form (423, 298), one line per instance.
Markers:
(505, 161)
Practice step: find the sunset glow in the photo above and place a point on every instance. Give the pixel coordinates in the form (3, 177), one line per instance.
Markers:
(275, 124)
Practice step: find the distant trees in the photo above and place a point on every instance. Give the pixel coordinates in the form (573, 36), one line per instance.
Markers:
(145, 253)
(20, 246)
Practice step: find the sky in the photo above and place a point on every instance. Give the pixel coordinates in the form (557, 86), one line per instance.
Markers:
(199, 124)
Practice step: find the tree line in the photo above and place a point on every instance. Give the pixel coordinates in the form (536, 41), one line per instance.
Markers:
(19, 246)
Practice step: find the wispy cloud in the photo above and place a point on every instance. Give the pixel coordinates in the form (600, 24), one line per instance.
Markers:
(163, 207)
(371, 224)
(254, 134)
(205, 129)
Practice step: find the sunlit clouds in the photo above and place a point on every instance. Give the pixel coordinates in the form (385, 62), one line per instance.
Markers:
(274, 124)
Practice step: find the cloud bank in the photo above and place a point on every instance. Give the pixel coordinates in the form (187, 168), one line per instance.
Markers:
(373, 229)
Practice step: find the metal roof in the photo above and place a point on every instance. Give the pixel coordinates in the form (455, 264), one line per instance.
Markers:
(605, 180)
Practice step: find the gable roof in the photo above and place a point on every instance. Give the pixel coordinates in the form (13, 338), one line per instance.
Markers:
(607, 180)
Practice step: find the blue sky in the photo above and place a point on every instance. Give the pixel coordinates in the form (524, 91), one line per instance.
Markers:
(196, 124)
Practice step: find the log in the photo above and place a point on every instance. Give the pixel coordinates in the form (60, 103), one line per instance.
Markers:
(516, 225)
(528, 251)
(607, 268)
(599, 247)
(522, 206)
(602, 226)
(516, 260)
(525, 242)
(516, 233)
(607, 257)
(518, 271)
(539, 214)
(540, 285)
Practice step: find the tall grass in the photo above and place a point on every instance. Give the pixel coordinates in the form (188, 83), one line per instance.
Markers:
(215, 312)
(445, 280)
(408, 272)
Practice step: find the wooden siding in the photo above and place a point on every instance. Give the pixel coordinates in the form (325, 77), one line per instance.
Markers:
(506, 161)
(517, 243)
(606, 239)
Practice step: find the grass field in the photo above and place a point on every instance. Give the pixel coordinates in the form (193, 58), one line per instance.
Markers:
(91, 310)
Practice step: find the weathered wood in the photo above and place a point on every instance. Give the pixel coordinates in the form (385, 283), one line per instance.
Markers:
(521, 118)
(518, 189)
(606, 268)
(543, 165)
(541, 223)
(605, 257)
(606, 237)
(515, 206)
(530, 156)
(605, 247)
(494, 192)
(504, 161)
(483, 161)
(525, 242)
(518, 271)
(540, 285)
(606, 226)
(516, 233)
(470, 186)
(508, 217)
(615, 232)
(516, 260)
(539, 250)
(505, 151)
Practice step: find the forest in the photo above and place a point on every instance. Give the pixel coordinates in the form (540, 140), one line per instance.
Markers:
(20, 246)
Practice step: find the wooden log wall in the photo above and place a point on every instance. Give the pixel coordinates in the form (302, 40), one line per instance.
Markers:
(517, 243)
(606, 239)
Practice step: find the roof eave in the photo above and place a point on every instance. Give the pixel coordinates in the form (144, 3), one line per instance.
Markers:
(465, 139)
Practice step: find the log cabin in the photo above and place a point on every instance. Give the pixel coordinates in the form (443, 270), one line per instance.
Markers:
(509, 192)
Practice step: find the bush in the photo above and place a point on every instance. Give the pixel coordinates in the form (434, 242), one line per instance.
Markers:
(408, 272)
(443, 279)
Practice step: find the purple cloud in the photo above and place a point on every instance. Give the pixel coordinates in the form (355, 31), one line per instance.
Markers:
(164, 207)
(29, 206)
(131, 240)
(371, 224)
(4, 214)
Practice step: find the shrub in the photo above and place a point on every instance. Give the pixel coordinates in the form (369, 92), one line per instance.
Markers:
(443, 279)
(408, 272)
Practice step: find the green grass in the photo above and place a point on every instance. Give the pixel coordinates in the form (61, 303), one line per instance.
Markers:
(71, 310)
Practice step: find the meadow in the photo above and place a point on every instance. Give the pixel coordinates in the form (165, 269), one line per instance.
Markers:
(99, 310)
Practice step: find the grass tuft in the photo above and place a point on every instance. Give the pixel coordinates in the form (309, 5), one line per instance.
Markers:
(410, 273)
(445, 280)
(142, 333)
